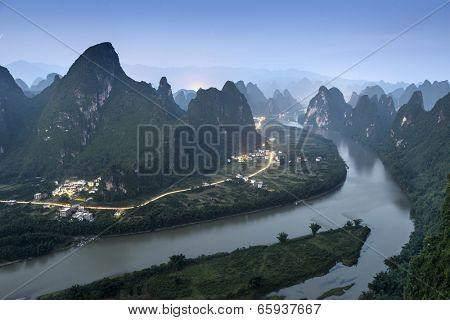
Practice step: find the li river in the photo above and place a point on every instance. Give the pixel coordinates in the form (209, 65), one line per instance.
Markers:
(368, 193)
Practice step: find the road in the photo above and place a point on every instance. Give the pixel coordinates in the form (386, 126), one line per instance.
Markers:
(140, 205)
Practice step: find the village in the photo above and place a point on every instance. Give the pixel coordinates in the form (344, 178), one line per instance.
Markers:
(73, 190)
(76, 212)
(243, 168)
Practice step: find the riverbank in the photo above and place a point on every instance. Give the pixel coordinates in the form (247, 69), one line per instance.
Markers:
(315, 197)
(426, 192)
(232, 198)
(183, 225)
(242, 274)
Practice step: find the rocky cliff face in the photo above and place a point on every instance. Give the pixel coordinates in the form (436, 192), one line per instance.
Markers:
(223, 107)
(90, 117)
(226, 106)
(369, 91)
(328, 110)
(255, 98)
(174, 112)
(371, 118)
(413, 124)
(73, 111)
(283, 101)
(13, 111)
(353, 99)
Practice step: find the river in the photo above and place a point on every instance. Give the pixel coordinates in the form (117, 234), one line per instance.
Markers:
(369, 193)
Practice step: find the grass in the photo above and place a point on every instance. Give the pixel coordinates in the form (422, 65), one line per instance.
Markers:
(242, 274)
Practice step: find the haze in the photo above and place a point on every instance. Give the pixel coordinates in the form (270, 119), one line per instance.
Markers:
(320, 36)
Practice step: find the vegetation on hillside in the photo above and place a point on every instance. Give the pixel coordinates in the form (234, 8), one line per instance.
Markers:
(429, 276)
(417, 153)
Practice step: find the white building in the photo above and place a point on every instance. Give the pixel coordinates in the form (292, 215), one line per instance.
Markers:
(40, 196)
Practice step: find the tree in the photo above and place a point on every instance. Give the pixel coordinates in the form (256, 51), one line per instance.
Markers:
(357, 222)
(177, 261)
(315, 227)
(349, 224)
(282, 237)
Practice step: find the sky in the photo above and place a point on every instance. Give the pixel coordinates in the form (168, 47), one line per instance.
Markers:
(320, 36)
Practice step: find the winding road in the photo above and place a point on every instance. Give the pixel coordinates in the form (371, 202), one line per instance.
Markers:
(140, 205)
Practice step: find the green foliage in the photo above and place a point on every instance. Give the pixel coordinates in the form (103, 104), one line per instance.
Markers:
(420, 165)
(26, 232)
(177, 262)
(315, 227)
(282, 237)
(429, 276)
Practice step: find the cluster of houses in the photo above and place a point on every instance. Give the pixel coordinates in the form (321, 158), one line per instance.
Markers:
(280, 158)
(76, 212)
(71, 188)
(257, 155)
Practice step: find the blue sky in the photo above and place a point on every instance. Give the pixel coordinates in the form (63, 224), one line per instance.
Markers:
(320, 36)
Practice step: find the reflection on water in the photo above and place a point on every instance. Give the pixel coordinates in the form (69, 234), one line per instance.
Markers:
(368, 193)
(362, 158)
(382, 206)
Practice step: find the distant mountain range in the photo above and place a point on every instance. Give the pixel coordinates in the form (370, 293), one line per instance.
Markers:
(281, 102)
(38, 86)
(183, 98)
(30, 71)
(301, 84)
(431, 93)
(374, 112)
